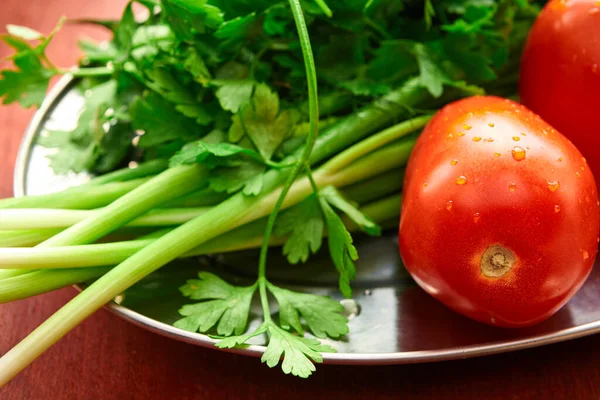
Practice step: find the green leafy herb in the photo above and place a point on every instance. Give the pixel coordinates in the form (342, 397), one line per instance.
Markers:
(263, 122)
(323, 315)
(233, 95)
(304, 224)
(226, 306)
(343, 253)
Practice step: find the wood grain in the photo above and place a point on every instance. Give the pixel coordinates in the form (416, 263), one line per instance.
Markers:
(107, 358)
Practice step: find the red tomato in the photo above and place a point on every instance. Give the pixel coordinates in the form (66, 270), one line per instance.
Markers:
(500, 216)
(560, 73)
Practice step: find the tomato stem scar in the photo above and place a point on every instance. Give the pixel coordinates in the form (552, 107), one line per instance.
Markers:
(496, 261)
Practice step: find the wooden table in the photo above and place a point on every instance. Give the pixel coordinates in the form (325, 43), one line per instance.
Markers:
(107, 358)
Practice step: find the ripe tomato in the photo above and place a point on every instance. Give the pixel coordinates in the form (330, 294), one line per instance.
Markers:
(560, 73)
(500, 216)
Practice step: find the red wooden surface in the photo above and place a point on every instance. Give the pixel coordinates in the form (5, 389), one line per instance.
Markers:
(107, 358)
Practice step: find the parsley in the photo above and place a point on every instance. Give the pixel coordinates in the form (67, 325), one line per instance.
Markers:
(233, 95)
(263, 122)
(304, 223)
(323, 315)
(226, 306)
(29, 82)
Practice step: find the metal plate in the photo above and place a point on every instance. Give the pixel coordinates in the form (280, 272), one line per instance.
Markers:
(396, 323)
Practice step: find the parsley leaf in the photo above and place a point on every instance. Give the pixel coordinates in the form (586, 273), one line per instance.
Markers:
(298, 352)
(336, 199)
(262, 122)
(248, 175)
(323, 315)
(431, 76)
(304, 222)
(210, 153)
(188, 17)
(28, 84)
(227, 307)
(160, 121)
(342, 251)
(80, 148)
(237, 30)
(234, 94)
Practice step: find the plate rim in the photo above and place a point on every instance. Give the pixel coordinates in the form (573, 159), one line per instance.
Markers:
(166, 330)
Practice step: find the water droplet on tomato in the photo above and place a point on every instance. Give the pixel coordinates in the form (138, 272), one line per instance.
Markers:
(476, 138)
(449, 205)
(476, 217)
(425, 184)
(516, 138)
(523, 134)
(578, 174)
(497, 154)
(453, 162)
(512, 186)
(491, 124)
(553, 185)
(518, 153)
(585, 254)
(559, 159)
(467, 127)
(584, 160)
(461, 180)
(595, 68)
(556, 208)
(460, 134)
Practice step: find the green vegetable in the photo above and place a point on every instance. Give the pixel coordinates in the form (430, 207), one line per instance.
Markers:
(219, 103)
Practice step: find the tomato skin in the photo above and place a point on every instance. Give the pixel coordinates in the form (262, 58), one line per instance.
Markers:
(466, 190)
(560, 73)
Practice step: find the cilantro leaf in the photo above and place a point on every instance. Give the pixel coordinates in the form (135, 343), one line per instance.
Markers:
(160, 121)
(336, 199)
(226, 306)
(188, 17)
(262, 122)
(342, 251)
(322, 314)
(298, 353)
(248, 175)
(304, 222)
(234, 94)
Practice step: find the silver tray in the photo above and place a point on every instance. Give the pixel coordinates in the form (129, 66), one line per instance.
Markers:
(392, 321)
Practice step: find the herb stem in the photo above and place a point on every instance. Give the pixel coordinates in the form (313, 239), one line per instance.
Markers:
(303, 161)
(88, 72)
